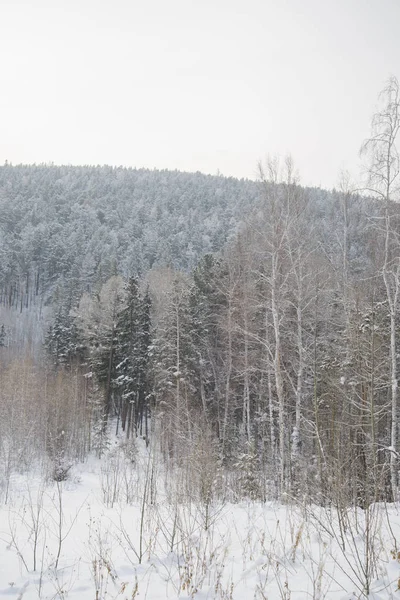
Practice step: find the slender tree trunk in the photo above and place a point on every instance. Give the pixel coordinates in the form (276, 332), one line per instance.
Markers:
(228, 375)
(271, 407)
(392, 292)
(278, 370)
(108, 382)
(246, 384)
(296, 435)
(178, 366)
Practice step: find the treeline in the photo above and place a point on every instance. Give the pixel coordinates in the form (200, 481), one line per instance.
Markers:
(278, 348)
(274, 353)
(273, 360)
(68, 229)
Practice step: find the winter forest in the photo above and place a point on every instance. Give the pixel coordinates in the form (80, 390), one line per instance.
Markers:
(208, 349)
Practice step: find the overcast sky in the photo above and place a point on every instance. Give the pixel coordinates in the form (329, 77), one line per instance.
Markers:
(201, 85)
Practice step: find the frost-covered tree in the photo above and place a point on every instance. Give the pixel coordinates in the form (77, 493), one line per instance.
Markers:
(2, 336)
(132, 346)
(174, 392)
(62, 339)
(206, 305)
(383, 181)
(97, 320)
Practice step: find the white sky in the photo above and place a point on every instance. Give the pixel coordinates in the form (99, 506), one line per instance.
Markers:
(194, 84)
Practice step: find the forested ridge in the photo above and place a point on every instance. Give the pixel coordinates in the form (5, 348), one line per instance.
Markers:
(59, 223)
(248, 328)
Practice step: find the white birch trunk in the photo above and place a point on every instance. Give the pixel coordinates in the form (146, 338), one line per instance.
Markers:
(278, 372)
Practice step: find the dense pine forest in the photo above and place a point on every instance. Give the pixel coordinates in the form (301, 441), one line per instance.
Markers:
(247, 327)
(200, 300)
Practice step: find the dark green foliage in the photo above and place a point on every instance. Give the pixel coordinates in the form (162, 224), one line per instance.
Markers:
(62, 339)
(206, 304)
(132, 344)
(249, 474)
(2, 337)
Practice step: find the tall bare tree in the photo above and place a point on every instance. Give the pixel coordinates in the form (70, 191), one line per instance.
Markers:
(383, 181)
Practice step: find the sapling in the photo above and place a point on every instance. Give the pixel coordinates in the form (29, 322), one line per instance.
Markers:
(31, 516)
(62, 530)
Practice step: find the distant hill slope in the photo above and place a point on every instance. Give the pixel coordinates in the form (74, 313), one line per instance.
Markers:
(79, 225)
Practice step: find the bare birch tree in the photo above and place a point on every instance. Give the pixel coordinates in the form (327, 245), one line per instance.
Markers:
(383, 181)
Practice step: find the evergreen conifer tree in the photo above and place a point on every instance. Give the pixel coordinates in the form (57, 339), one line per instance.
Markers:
(62, 339)
(2, 337)
(132, 336)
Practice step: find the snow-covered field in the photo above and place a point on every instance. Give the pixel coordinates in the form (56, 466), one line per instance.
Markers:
(118, 530)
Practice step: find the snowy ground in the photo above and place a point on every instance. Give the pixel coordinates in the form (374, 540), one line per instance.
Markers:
(81, 540)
